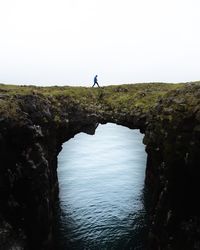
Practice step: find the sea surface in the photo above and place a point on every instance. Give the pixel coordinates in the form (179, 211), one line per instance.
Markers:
(101, 181)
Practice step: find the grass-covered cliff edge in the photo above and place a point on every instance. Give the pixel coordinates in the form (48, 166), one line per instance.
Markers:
(120, 98)
(35, 121)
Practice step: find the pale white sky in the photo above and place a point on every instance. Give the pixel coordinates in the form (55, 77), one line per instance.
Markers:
(67, 42)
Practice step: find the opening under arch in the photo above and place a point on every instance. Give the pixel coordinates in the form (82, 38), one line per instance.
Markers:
(101, 181)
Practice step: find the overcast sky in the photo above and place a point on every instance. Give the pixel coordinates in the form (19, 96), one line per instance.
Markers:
(67, 42)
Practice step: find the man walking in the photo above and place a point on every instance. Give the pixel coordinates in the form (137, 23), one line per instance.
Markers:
(95, 81)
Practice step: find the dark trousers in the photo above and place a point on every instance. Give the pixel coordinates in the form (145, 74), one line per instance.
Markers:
(95, 83)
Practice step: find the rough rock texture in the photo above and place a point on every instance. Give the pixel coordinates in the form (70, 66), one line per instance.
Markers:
(172, 174)
(34, 125)
(28, 186)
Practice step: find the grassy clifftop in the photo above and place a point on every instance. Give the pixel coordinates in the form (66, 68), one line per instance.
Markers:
(123, 98)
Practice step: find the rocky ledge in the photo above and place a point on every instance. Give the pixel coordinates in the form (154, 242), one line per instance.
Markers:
(34, 122)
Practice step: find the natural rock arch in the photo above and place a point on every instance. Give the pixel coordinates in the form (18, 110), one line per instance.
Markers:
(36, 121)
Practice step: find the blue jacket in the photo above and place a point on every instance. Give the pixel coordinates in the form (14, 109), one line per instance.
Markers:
(95, 79)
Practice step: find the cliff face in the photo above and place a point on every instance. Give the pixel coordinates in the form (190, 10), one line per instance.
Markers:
(29, 145)
(172, 174)
(34, 122)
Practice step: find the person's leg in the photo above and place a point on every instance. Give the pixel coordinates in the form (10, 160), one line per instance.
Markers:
(98, 85)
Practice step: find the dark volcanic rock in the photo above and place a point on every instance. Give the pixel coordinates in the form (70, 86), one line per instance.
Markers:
(173, 173)
(31, 140)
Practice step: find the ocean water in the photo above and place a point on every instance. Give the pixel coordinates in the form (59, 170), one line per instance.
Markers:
(101, 181)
